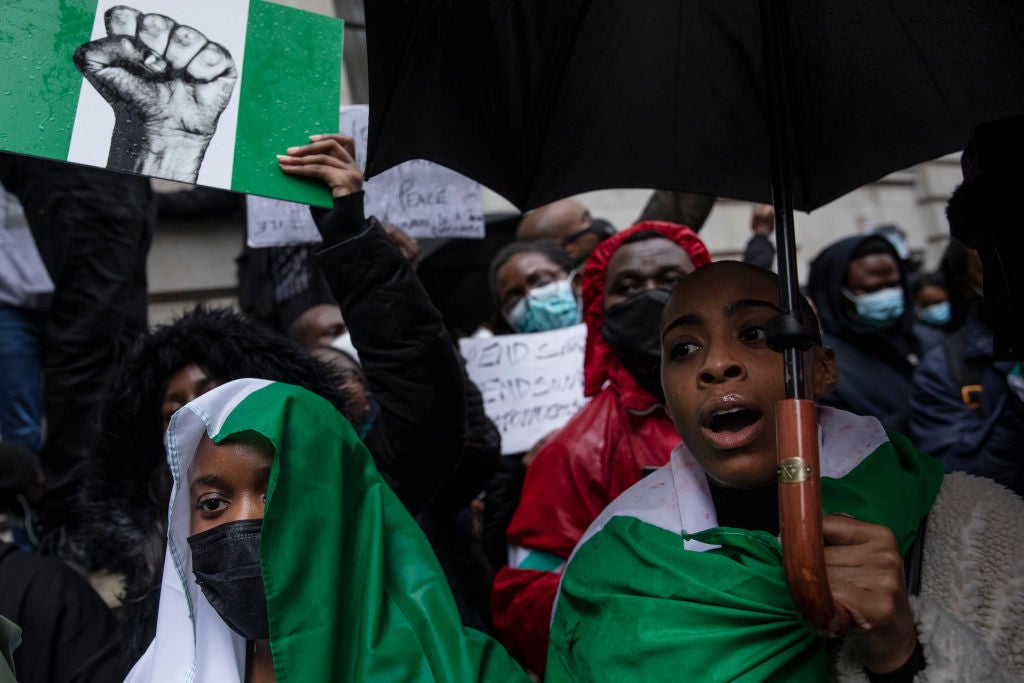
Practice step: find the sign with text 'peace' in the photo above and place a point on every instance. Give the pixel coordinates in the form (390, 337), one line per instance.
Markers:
(190, 90)
(420, 197)
(531, 383)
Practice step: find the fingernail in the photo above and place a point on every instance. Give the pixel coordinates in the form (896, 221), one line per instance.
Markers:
(283, 157)
(316, 137)
(292, 150)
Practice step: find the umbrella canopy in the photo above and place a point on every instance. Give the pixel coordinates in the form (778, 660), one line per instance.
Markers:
(540, 100)
(797, 101)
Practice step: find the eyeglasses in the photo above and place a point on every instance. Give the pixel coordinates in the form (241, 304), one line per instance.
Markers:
(569, 239)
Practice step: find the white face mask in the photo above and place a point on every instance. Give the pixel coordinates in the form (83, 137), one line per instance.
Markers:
(344, 343)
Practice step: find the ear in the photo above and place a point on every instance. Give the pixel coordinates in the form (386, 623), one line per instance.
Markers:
(826, 376)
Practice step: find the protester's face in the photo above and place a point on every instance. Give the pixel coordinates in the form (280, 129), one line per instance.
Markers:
(318, 326)
(555, 221)
(186, 385)
(929, 295)
(721, 381)
(227, 482)
(638, 266)
(357, 395)
(523, 272)
(871, 273)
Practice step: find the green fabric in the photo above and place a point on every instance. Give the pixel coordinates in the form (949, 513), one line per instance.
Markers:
(354, 592)
(635, 605)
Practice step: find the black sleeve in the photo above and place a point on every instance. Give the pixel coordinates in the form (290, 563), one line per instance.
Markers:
(760, 252)
(68, 633)
(199, 204)
(410, 362)
(480, 456)
(906, 673)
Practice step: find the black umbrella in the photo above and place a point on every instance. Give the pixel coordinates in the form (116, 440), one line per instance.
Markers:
(797, 102)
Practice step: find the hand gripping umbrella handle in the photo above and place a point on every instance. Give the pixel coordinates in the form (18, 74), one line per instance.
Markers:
(803, 547)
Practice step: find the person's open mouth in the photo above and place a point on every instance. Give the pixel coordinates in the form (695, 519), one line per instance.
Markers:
(731, 427)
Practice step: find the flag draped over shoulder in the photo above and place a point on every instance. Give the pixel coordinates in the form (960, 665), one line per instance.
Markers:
(354, 592)
(656, 587)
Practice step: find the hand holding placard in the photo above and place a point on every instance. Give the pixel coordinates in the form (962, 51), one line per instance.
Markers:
(331, 158)
(167, 85)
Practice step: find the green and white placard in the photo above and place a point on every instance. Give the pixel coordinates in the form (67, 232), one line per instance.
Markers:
(201, 91)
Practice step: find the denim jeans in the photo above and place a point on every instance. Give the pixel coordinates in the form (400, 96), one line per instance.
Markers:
(21, 390)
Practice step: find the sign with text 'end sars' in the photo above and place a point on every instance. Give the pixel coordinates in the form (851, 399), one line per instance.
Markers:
(190, 90)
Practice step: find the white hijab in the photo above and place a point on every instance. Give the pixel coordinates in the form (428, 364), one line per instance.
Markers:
(192, 643)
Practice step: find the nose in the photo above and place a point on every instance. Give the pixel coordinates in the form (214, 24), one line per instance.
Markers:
(719, 367)
(249, 507)
(652, 283)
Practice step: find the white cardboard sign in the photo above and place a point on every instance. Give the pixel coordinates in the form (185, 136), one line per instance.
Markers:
(422, 198)
(531, 383)
(274, 223)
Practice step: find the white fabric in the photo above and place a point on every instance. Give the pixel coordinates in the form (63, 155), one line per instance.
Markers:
(676, 497)
(192, 643)
(24, 281)
(344, 343)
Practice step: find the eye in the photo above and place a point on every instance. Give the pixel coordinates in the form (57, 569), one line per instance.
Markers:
(210, 505)
(627, 286)
(681, 350)
(753, 334)
(670, 279)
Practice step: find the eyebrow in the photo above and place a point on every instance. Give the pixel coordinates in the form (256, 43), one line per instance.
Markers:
(208, 480)
(219, 481)
(685, 320)
(748, 304)
(643, 275)
(694, 319)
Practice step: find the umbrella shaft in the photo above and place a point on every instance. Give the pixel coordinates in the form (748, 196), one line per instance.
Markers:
(774, 32)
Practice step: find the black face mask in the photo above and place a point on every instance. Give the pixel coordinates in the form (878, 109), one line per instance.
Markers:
(632, 329)
(226, 562)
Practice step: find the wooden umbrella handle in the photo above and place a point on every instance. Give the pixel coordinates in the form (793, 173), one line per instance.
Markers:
(803, 546)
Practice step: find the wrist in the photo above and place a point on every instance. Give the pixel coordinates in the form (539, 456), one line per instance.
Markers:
(885, 654)
(913, 665)
(158, 152)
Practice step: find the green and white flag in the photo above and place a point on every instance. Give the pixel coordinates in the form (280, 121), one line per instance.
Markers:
(354, 591)
(655, 586)
(190, 90)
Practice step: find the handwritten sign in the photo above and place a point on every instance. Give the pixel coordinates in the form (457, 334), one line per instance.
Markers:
(273, 223)
(531, 383)
(422, 198)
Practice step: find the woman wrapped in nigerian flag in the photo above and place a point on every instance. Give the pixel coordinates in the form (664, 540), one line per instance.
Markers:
(681, 577)
(289, 559)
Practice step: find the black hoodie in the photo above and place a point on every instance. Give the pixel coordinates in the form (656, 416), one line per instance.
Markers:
(875, 365)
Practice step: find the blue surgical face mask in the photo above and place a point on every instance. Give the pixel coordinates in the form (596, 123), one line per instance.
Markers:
(548, 307)
(879, 309)
(936, 314)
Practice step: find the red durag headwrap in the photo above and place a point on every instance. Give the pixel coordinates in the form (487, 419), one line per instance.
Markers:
(601, 363)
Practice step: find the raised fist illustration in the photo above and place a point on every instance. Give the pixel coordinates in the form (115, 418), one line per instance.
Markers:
(167, 85)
